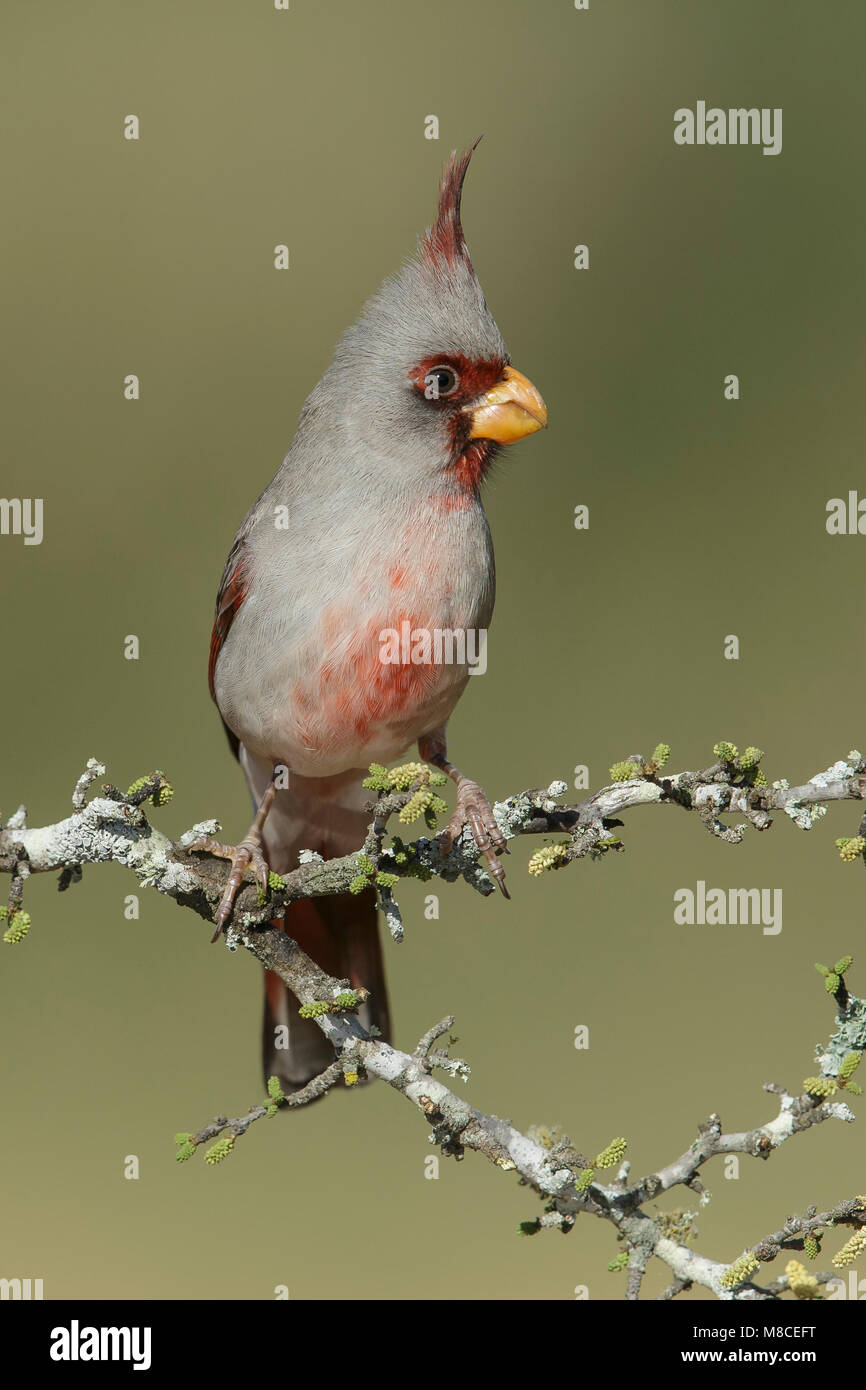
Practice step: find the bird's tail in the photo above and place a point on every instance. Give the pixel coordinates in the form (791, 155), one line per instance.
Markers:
(341, 934)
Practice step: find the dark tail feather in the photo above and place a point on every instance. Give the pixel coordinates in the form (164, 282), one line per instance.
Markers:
(341, 934)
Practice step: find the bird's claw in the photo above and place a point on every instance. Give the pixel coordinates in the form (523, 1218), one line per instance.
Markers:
(246, 855)
(474, 810)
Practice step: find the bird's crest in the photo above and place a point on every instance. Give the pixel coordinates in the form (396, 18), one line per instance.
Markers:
(445, 242)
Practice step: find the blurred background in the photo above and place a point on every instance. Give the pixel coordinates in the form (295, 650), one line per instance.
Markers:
(707, 518)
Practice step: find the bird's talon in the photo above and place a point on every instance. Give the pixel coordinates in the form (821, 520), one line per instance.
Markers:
(244, 856)
(474, 810)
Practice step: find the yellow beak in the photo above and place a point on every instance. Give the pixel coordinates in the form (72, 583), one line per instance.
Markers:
(508, 411)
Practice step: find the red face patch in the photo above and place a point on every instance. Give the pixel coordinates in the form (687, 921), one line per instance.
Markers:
(470, 379)
(449, 383)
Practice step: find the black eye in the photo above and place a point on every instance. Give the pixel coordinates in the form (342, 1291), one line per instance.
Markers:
(440, 381)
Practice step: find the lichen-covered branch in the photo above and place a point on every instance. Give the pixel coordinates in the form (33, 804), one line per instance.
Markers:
(114, 827)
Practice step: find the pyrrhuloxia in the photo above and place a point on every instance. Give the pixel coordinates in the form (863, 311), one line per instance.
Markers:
(373, 520)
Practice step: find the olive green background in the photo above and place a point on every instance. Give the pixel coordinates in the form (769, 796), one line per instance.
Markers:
(707, 518)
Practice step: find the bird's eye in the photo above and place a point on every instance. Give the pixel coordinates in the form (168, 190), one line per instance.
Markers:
(440, 381)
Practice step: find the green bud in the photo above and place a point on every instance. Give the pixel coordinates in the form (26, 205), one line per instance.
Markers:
(750, 758)
(726, 752)
(314, 1009)
(625, 771)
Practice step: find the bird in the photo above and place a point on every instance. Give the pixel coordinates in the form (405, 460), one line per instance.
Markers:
(374, 520)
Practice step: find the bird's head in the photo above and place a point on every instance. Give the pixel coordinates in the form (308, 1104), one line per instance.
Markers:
(426, 378)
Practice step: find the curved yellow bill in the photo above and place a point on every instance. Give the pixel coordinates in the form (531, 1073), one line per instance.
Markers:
(508, 411)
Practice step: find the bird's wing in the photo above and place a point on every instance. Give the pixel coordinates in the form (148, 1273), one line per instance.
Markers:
(231, 594)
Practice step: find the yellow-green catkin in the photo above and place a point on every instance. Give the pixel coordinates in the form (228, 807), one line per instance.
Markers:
(613, 1154)
(739, 1270)
(725, 751)
(547, 858)
(416, 805)
(19, 926)
(399, 778)
(800, 1281)
(220, 1150)
(849, 1064)
(625, 771)
(821, 1085)
(750, 757)
(315, 1009)
(851, 1249)
(163, 795)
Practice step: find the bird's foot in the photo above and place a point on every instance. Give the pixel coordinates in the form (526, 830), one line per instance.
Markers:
(246, 855)
(474, 810)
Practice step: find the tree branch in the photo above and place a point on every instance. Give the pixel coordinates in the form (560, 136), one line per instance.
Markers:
(114, 827)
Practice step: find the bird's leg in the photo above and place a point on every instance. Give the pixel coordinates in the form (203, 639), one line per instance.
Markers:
(242, 856)
(473, 809)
